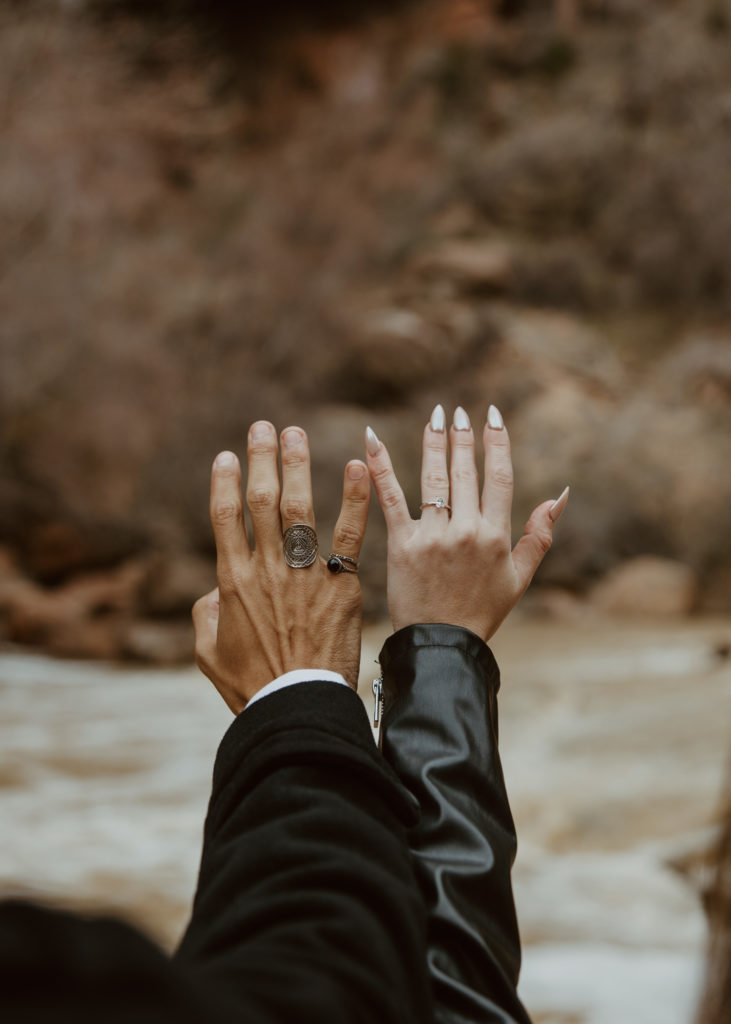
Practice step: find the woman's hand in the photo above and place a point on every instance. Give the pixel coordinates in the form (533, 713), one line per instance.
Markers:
(458, 567)
(265, 617)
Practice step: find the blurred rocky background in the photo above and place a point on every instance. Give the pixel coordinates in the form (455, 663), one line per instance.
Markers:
(210, 214)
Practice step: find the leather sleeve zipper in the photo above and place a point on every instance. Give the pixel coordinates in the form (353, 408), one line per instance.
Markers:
(377, 688)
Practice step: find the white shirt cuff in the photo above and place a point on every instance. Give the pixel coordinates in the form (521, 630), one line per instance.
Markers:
(297, 675)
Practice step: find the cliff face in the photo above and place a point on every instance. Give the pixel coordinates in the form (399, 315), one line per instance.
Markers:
(347, 226)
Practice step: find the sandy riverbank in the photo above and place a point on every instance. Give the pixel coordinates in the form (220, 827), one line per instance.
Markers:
(614, 741)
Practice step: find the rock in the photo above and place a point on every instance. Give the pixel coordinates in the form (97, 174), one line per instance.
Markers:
(699, 367)
(81, 619)
(647, 586)
(8, 564)
(555, 604)
(162, 643)
(171, 584)
(473, 265)
(101, 593)
(396, 349)
(85, 638)
(29, 611)
(55, 549)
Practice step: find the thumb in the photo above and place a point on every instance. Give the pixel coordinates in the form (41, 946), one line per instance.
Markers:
(537, 538)
(205, 623)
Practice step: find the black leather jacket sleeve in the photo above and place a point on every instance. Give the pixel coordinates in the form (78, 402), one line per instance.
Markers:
(307, 907)
(440, 736)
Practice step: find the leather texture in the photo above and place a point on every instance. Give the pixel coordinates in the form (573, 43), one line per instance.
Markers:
(440, 735)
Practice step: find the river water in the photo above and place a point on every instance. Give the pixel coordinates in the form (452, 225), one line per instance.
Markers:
(614, 741)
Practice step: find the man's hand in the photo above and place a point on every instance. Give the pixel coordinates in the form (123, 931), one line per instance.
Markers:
(266, 618)
(458, 567)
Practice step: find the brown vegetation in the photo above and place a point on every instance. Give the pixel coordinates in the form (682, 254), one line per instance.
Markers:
(347, 226)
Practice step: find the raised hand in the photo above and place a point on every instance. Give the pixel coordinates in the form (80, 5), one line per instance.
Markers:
(456, 564)
(266, 617)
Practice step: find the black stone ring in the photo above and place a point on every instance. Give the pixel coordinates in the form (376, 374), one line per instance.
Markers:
(336, 563)
(300, 546)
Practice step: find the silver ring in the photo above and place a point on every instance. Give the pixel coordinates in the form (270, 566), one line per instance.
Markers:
(300, 546)
(436, 503)
(336, 563)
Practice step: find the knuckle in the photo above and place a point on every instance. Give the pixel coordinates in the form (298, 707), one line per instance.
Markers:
(382, 472)
(228, 583)
(502, 476)
(261, 499)
(225, 512)
(356, 498)
(295, 510)
(466, 536)
(464, 474)
(433, 480)
(293, 457)
(497, 541)
(433, 546)
(348, 537)
(545, 540)
(391, 498)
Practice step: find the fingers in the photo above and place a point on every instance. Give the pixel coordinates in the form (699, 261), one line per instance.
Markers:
(462, 470)
(434, 476)
(390, 496)
(497, 492)
(262, 488)
(296, 502)
(537, 538)
(351, 525)
(227, 513)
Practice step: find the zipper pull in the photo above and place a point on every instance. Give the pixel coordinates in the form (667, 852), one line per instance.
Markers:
(377, 688)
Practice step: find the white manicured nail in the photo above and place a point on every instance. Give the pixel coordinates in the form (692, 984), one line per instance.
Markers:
(558, 506)
(438, 420)
(373, 445)
(461, 419)
(494, 419)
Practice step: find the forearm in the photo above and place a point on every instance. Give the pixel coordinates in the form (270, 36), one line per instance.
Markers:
(307, 907)
(440, 736)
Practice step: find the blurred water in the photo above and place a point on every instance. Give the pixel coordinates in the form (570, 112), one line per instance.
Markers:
(614, 741)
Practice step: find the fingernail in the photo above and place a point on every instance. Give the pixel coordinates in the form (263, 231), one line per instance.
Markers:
(494, 419)
(373, 445)
(461, 419)
(260, 430)
(292, 437)
(225, 459)
(438, 420)
(558, 506)
(356, 471)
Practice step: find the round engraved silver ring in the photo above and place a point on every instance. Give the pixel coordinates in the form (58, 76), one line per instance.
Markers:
(341, 563)
(300, 546)
(436, 503)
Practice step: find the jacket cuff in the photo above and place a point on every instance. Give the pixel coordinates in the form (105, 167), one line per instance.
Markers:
(439, 634)
(314, 724)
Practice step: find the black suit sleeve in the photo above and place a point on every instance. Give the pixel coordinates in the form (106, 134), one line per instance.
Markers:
(440, 736)
(307, 906)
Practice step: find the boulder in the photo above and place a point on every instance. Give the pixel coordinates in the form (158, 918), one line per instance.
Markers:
(171, 584)
(159, 642)
(648, 587)
(472, 265)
